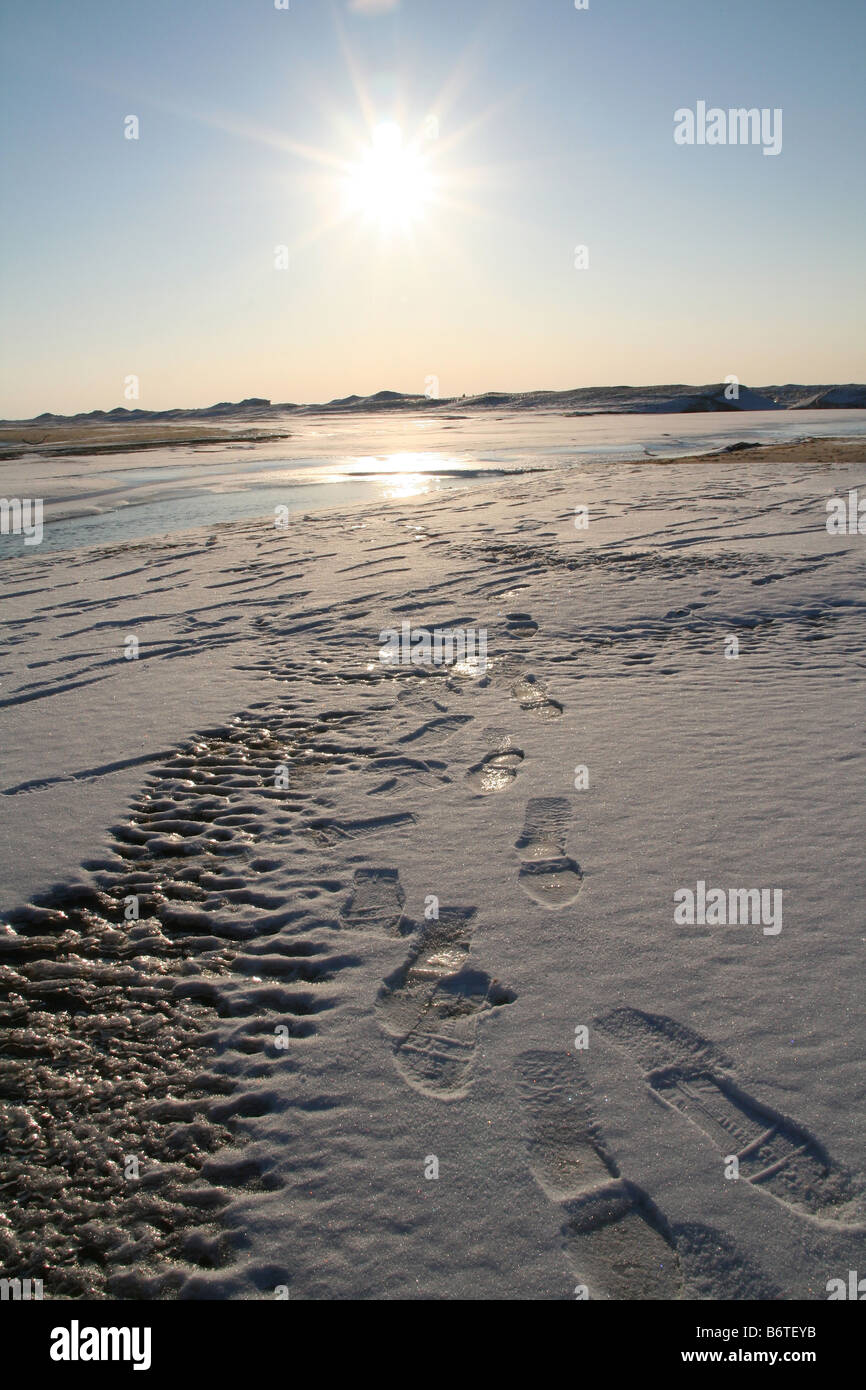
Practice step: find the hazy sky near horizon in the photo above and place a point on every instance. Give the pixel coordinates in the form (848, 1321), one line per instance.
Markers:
(528, 129)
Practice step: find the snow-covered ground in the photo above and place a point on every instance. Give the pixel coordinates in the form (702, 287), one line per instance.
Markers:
(377, 904)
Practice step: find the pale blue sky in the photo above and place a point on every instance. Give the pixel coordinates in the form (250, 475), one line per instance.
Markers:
(156, 257)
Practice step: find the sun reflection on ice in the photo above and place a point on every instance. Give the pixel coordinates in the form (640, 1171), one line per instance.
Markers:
(407, 485)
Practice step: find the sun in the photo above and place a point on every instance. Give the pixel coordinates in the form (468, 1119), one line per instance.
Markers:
(390, 185)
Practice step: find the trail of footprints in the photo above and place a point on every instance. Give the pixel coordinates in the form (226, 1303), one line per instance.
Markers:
(111, 1009)
(108, 1017)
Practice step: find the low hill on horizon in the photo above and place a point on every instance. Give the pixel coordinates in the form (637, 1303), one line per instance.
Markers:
(586, 400)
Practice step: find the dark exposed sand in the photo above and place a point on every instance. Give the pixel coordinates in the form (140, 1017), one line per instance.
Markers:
(66, 439)
(831, 450)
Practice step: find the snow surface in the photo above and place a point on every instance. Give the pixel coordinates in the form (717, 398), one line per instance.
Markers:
(303, 906)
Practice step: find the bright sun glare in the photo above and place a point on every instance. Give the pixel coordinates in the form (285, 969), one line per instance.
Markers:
(391, 184)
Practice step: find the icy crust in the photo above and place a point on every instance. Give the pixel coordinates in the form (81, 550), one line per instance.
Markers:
(108, 1110)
